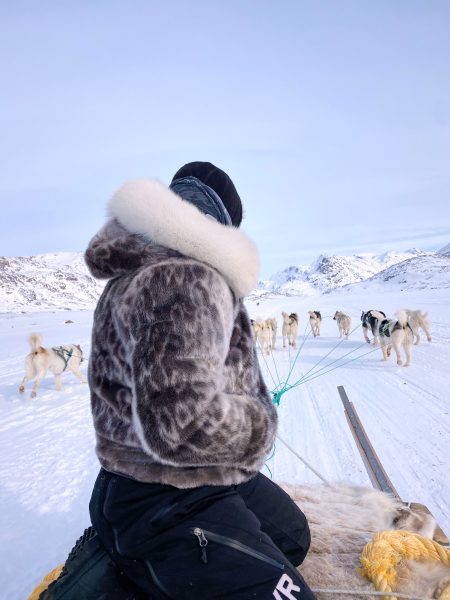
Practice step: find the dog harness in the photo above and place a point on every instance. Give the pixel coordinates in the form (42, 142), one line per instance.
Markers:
(63, 353)
(384, 328)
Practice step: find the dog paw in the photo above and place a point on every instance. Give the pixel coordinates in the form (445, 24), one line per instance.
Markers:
(399, 362)
(33, 394)
(407, 365)
(21, 389)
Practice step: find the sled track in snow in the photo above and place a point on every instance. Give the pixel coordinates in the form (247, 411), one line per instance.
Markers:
(418, 387)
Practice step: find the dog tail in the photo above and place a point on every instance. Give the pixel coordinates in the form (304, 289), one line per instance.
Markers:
(378, 315)
(402, 318)
(35, 340)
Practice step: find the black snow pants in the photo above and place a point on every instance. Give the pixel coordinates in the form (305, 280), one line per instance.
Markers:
(206, 543)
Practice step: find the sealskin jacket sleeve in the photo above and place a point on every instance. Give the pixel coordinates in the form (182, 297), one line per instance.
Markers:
(198, 394)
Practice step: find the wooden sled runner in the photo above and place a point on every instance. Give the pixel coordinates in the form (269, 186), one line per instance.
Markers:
(378, 476)
(388, 550)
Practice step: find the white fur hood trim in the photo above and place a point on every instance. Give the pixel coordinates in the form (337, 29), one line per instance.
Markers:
(147, 207)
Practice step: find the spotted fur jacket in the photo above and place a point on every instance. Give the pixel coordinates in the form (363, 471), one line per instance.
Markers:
(176, 391)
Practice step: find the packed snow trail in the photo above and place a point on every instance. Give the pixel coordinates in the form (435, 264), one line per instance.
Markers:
(405, 411)
(47, 459)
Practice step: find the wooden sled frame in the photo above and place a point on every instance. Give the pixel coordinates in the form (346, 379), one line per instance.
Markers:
(378, 476)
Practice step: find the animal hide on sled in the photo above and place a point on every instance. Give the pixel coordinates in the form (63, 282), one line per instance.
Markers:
(342, 519)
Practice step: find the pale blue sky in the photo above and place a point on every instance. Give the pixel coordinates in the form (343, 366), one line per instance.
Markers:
(332, 118)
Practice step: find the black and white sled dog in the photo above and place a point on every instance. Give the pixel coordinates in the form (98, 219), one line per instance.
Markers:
(395, 333)
(370, 321)
(418, 319)
(57, 359)
(315, 321)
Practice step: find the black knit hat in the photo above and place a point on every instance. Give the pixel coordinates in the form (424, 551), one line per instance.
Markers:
(219, 181)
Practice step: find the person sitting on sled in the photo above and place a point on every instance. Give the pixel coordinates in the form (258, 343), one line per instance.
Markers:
(183, 418)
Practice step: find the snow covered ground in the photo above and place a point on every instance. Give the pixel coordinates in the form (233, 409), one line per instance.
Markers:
(47, 460)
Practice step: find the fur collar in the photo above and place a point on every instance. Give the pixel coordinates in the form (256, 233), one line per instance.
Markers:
(148, 208)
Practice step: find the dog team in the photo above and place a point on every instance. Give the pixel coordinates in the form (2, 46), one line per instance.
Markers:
(389, 334)
(265, 330)
(402, 331)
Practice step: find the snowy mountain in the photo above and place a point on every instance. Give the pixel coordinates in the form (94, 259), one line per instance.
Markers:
(429, 271)
(330, 272)
(445, 250)
(61, 281)
(57, 281)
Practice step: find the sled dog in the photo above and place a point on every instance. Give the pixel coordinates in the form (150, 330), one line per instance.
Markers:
(395, 333)
(315, 320)
(343, 322)
(416, 319)
(369, 321)
(57, 359)
(272, 322)
(289, 330)
(263, 335)
(252, 325)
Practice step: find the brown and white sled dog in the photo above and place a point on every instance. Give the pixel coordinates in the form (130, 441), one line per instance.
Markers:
(263, 335)
(289, 330)
(58, 360)
(343, 322)
(416, 319)
(272, 323)
(315, 321)
(395, 333)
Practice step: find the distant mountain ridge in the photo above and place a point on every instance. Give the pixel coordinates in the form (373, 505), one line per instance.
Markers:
(61, 281)
(429, 271)
(57, 281)
(445, 250)
(329, 272)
